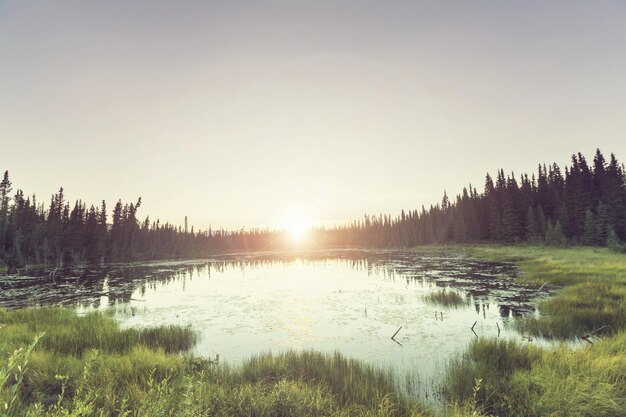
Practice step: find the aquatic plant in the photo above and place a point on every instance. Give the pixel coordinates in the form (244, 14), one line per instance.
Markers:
(447, 298)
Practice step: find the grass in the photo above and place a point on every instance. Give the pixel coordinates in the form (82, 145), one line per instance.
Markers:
(66, 333)
(523, 380)
(591, 284)
(518, 379)
(447, 298)
(88, 366)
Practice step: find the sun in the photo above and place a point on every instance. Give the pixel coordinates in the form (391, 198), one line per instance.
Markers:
(298, 230)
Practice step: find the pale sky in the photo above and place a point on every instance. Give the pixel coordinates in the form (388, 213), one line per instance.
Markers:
(255, 113)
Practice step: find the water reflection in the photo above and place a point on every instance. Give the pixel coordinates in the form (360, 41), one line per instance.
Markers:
(118, 282)
(349, 300)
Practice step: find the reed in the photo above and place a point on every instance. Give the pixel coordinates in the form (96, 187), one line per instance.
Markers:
(446, 298)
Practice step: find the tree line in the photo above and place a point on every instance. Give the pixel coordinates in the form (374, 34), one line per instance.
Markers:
(584, 205)
(60, 233)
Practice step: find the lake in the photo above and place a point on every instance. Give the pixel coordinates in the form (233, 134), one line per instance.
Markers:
(351, 301)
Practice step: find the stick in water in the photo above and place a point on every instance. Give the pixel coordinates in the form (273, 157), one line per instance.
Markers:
(472, 328)
(541, 288)
(394, 335)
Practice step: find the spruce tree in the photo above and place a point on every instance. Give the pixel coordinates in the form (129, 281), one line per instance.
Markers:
(5, 190)
(613, 242)
(532, 229)
(559, 237)
(590, 235)
(603, 222)
(549, 236)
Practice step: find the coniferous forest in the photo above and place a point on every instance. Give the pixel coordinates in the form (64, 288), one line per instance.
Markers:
(584, 204)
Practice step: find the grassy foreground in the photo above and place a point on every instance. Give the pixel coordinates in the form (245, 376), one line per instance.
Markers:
(507, 378)
(88, 366)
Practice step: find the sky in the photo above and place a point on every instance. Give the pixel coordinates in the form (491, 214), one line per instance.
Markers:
(265, 113)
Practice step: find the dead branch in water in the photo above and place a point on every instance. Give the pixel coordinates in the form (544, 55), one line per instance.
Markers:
(541, 288)
(394, 335)
(587, 336)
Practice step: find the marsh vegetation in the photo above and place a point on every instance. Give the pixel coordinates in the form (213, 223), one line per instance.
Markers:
(520, 379)
(55, 362)
(447, 297)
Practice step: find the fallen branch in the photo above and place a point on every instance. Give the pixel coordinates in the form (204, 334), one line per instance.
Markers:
(394, 335)
(587, 336)
(541, 288)
(53, 275)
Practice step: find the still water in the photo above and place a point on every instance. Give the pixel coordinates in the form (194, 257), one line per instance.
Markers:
(351, 301)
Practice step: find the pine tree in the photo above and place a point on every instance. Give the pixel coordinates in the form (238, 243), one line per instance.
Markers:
(590, 235)
(559, 237)
(92, 238)
(460, 228)
(542, 222)
(613, 242)
(599, 176)
(555, 235)
(510, 225)
(603, 222)
(532, 229)
(116, 236)
(5, 190)
(54, 227)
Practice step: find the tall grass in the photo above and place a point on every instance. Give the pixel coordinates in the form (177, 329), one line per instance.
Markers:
(88, 366)
(523, 380)
(578, 310)
(446, 298)
(67, 333)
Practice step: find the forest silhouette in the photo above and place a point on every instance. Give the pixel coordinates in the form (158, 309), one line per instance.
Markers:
(584, 205)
